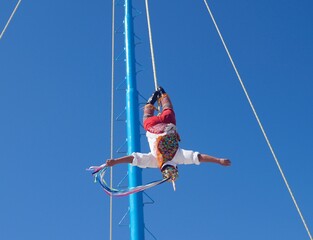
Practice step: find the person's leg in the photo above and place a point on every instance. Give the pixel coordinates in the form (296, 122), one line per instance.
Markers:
(148, 113)
(168, 114)
(165, 101)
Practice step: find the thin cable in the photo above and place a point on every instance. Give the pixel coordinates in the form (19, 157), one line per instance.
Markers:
(112, 115)
(259, 122)
(151, 47)
(8, 22)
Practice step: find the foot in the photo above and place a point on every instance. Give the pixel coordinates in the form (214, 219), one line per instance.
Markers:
(161, 90)
(155, 96)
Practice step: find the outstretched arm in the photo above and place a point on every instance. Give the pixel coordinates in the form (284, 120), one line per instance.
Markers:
(126, 159)
(207, 158)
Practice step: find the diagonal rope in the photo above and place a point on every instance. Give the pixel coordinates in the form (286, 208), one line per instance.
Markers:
(151, 46)
(10, 18)
(112, 115)
(259, 122)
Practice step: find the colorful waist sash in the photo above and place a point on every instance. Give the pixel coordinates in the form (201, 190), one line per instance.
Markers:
(167, 147)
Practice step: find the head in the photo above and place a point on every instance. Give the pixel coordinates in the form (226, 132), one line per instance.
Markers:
(169, 171)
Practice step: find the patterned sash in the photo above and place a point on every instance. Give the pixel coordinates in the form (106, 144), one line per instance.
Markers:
(167, 147)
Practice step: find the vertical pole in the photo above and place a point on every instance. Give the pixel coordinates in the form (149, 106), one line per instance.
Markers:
(112, 115)
(133, 131)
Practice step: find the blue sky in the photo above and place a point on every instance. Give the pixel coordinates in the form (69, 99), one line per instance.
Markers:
(55, 60)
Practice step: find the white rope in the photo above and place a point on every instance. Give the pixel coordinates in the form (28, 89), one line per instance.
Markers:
(151, 47)
(112, 116)
(10, 18)
(259, 122)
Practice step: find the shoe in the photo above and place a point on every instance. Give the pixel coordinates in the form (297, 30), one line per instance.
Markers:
(155, 96)
(161, 90)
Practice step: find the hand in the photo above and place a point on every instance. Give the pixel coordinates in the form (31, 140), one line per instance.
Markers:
(110, 162)
(225, 162)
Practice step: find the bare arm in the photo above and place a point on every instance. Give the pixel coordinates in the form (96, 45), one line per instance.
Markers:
(207, 158)
(126, 159)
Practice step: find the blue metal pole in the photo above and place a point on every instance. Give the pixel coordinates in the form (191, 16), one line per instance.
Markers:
(133, 131)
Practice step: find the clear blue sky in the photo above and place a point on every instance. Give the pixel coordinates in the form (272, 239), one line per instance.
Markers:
(55, 61)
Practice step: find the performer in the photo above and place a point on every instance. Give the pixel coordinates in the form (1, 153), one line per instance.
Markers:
(163, 139)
